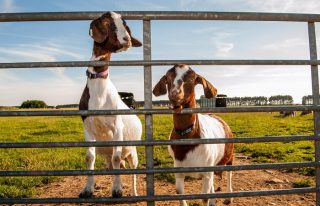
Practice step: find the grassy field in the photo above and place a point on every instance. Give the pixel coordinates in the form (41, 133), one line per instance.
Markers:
(29, 129)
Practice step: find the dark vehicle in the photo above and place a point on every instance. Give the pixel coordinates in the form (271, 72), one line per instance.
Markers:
(221, 100)
(128, 99)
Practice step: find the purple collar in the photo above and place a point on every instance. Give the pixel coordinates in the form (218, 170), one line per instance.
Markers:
(103, 74)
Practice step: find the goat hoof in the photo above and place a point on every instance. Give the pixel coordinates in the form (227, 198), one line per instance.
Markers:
(212, 202)
(86, 194)
(116, 193)
(227, 201)
(218, 189)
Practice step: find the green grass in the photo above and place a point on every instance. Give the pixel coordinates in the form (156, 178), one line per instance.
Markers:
(51, 129)
(303, 183)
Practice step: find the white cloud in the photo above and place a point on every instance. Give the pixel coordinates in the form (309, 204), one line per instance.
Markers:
(223, 49)
(7, 6)
(186, 3)
(222, 43)
(53, 92)
(309, 6)
(285, 6)
(17, 54)
(56, 88)
(285, 44)
(37, 52)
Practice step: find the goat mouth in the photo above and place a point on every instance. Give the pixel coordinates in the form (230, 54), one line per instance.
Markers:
(122, 49)
(176, 108)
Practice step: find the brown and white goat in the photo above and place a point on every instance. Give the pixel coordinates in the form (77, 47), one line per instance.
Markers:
(110, 34)
(180, 82)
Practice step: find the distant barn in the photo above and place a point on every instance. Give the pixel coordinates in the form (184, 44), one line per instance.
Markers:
(221, 100)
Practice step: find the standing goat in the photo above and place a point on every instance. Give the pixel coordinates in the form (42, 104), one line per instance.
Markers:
(180, 82)
(110, 34)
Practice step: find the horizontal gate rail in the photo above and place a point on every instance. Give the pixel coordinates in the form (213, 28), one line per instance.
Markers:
(157, 142)
(289, 165)
(158, 111)
(157, 197)
(156, 63)
(161, 15)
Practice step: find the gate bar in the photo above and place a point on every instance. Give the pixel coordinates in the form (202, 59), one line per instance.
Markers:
(160, 15)
(159, 111)
(156, 63)
(156, 142)
(157, 197)
(288, 165)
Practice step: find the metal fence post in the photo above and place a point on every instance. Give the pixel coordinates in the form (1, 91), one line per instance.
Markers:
(315, 94)
(148, 105)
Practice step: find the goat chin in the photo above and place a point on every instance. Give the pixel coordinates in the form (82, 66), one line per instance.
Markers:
(176, 108)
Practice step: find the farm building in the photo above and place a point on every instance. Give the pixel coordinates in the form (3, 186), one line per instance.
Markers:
(219, 101)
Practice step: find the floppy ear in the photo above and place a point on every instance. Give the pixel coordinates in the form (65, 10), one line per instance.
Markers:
(209, 90)
(135, 42)
(97, 31)
(161, 87)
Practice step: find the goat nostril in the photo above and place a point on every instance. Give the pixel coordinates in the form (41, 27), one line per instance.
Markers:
(126, 38)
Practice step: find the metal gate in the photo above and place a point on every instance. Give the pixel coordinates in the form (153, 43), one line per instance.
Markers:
(150, 198)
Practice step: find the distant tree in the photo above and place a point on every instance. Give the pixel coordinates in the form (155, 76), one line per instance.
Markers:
(247, 101)
(67, 106)
(307, 100)
(281, 100)
(33, 104)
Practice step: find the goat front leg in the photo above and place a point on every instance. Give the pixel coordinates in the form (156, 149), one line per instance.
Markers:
(208, 187)
(180, 187)
(229, 188)
(116, 157)
(133, 162)
(88, 190)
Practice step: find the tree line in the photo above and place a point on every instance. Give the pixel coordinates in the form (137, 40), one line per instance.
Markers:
(260, 100)
(231, 101)
(307, 100)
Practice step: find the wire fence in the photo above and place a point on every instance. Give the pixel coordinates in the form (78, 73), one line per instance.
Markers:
(149, 142)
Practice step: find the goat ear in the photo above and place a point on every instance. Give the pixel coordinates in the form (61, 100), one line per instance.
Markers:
(97, 32)
(135, 42)
(209, 90)
(161, 87)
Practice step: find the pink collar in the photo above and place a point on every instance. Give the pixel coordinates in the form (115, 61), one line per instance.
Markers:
(103, 74)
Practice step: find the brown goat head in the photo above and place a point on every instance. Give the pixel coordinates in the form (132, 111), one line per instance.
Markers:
(180, 82)
(112, 33)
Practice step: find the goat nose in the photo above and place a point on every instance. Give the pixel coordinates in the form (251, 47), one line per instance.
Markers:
(175, 92)
(126, 38)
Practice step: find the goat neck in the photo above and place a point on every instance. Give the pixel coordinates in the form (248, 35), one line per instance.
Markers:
(183, 121)
(100, 53)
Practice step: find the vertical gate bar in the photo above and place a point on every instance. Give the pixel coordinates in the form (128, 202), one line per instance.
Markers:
(315, 95)
(148, 105)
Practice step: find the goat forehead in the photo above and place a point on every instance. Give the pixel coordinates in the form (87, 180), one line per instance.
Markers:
(180, 72)
(121, 30)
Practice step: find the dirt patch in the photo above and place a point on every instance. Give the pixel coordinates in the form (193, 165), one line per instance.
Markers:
(242, 181)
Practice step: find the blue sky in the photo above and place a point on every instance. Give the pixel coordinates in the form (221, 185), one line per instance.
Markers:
(69, 40)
